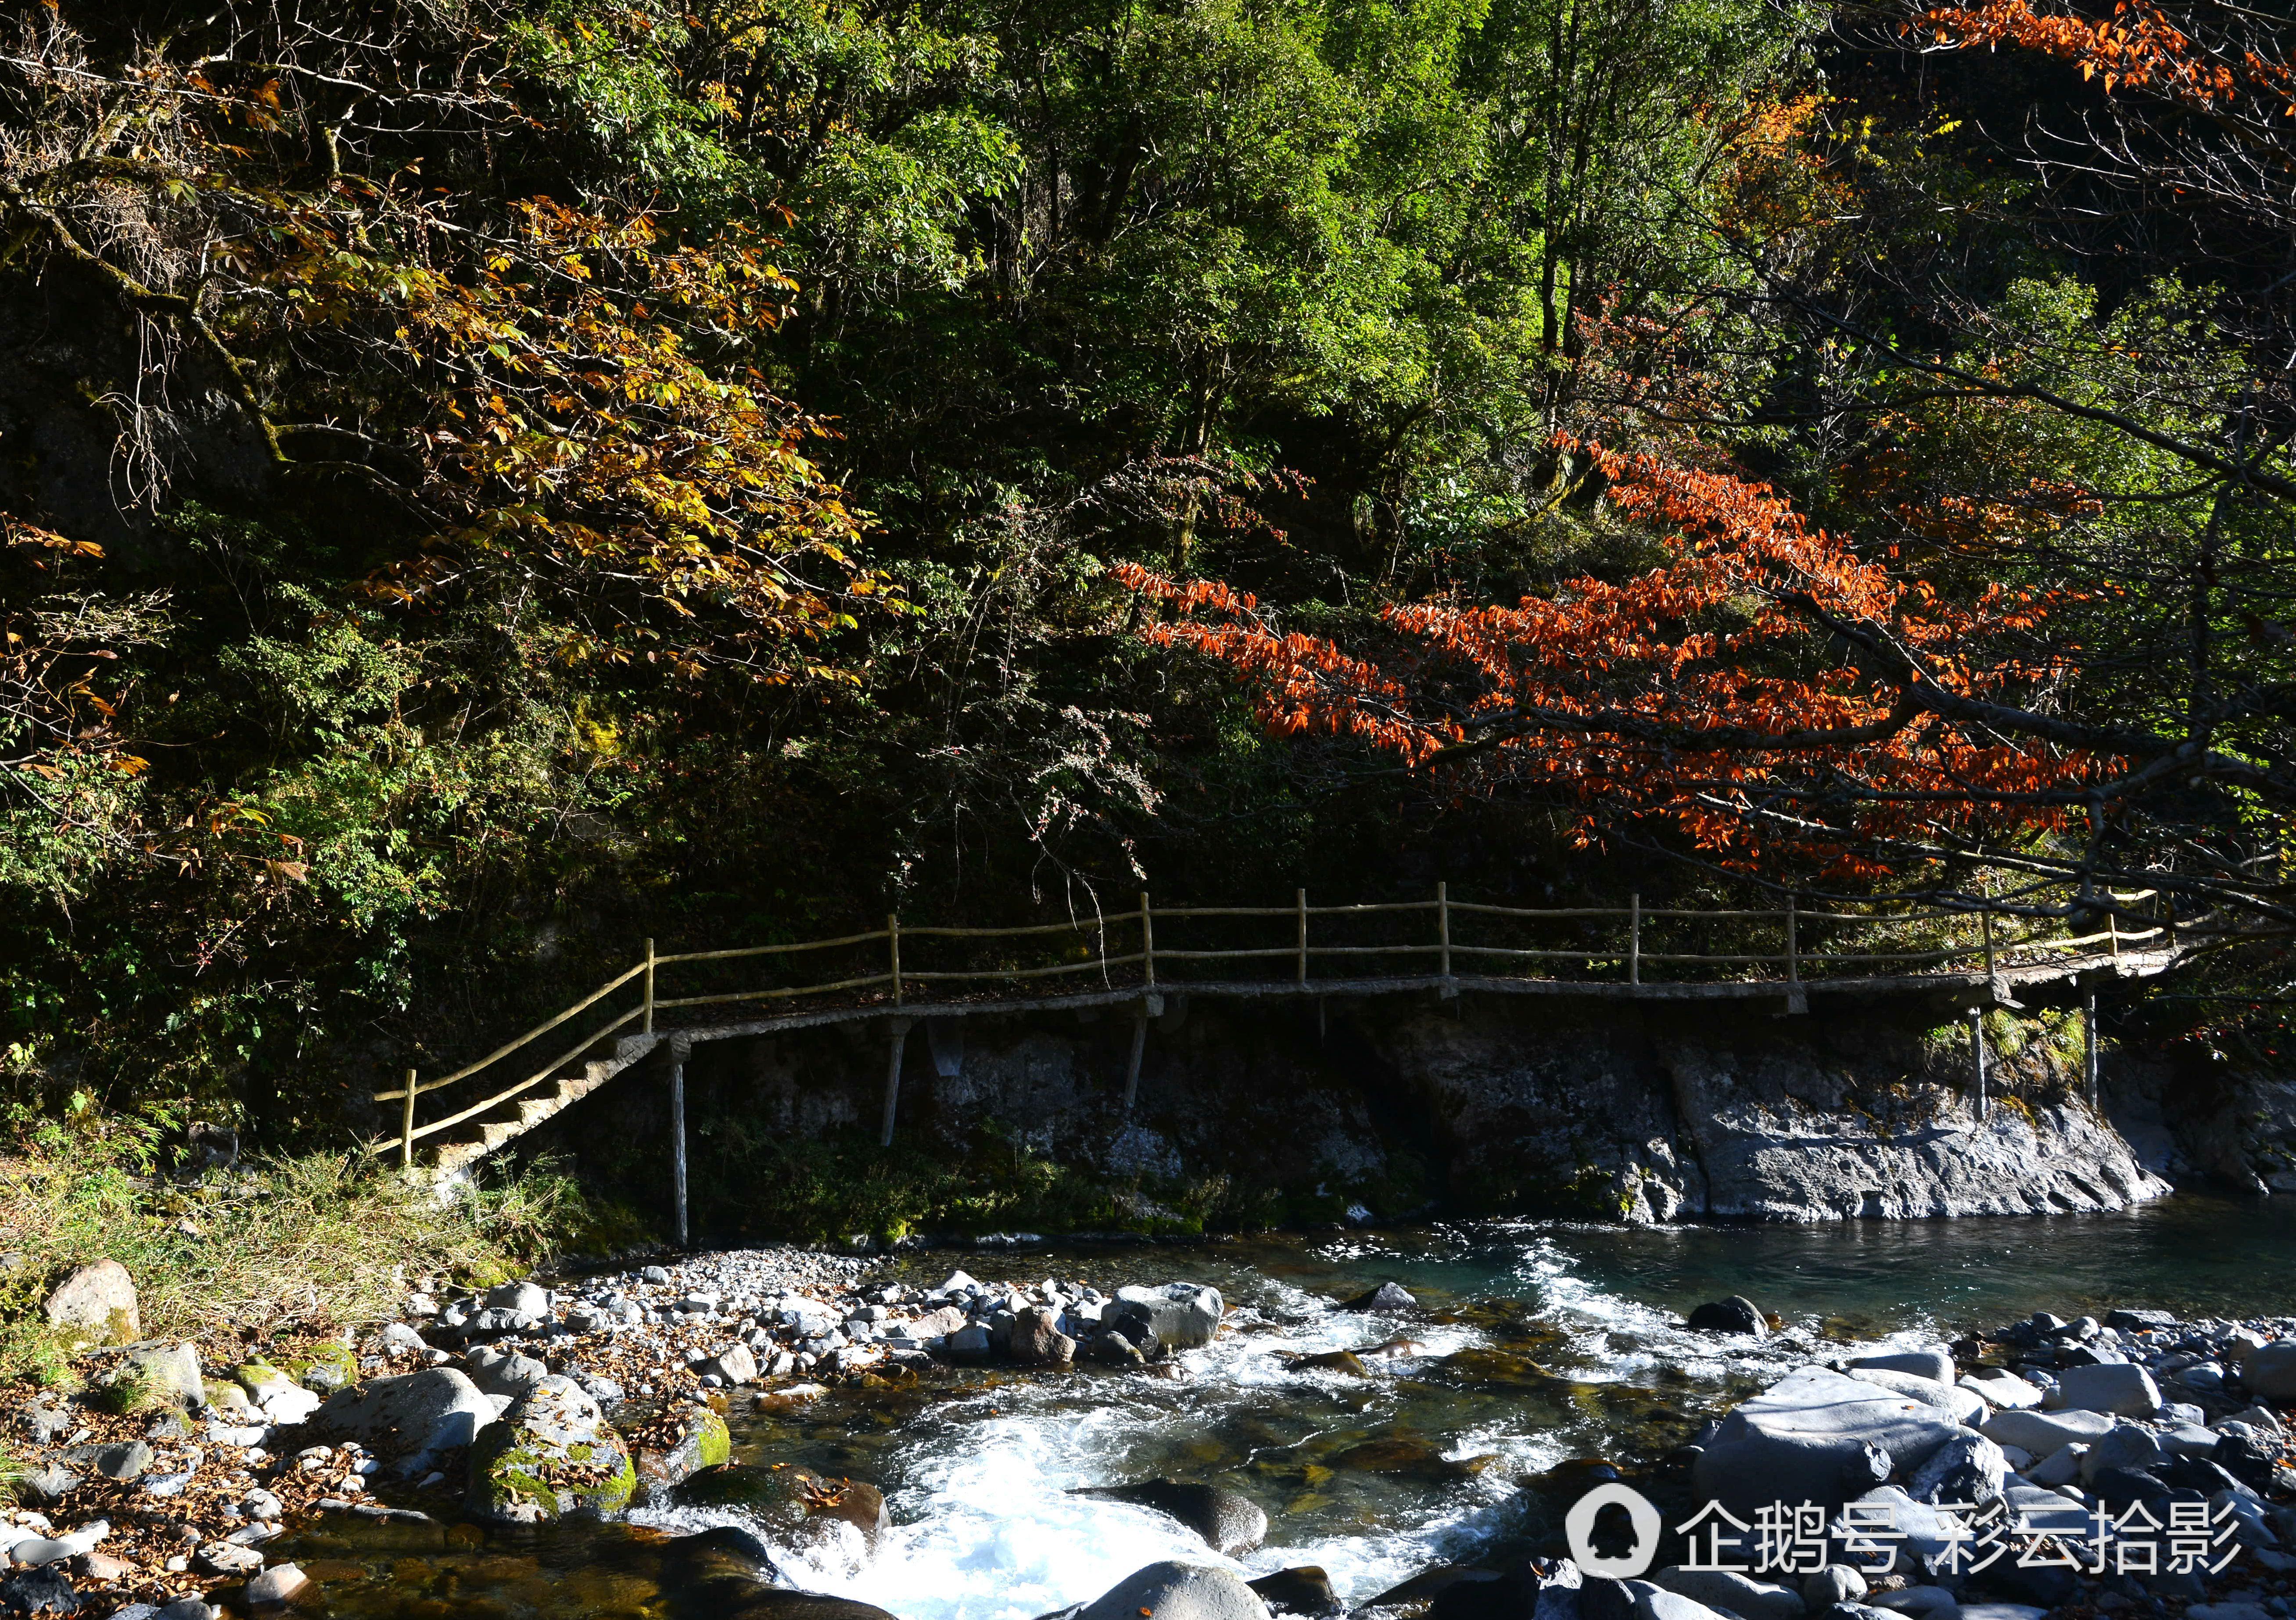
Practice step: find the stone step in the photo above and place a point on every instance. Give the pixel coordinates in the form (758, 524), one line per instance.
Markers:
(486, 1136)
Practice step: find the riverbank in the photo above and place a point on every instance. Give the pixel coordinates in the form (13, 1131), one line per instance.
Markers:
(1457, 1411)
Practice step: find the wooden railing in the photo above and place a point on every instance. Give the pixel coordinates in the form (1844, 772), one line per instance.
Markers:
(1149, 967)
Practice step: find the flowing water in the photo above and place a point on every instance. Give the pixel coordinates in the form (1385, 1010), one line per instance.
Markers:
(1537, 1344)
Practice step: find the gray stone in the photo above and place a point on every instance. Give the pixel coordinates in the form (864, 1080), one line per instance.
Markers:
(1936, 1365)
(1835, 1584)
(1956, 1403)
(1806, 1438)
(2062, 1466)
(2044, 1433)
(1966, 1468)
(520, 1298)
(504, 1372)
(1173, 1590)
(169, 1372)
(2270, 1374)
(655, 1275)
(2003, 1388)
(398, 1338)
(1741, 1594)
(47, 1485)
(191, 1608)
(1179, 1316)
(1922, 1602)
(2126, 1445)
(1229, 1524)
(2259, 1417)
(280, 1583)
(222, 1558)
(414, 1418)
(127, 1459)
(735, 1364)
(2124, 1389)
(970, 1343)
(94, 1304)
(2001, 1611)
(1661, 1603)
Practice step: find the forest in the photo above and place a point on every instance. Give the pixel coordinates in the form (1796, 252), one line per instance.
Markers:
(485, 481)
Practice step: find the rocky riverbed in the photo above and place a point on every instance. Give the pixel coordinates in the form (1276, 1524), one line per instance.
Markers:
(163, 1484)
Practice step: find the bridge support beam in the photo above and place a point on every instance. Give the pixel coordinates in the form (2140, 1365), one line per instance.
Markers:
(678, 1051)
(1977, 1054)
(2088, 1045)
(898, 1030)
(1150, 1006)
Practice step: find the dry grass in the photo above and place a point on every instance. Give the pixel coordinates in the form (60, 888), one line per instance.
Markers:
(308, 1245)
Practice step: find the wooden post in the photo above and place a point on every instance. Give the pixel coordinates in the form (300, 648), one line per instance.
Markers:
(2168, 920)
(1977, 1054)
(2088, 1057)
(893, 940)
(1986, 917)
(649, 988)
(1147, 942)
(678, 1136)
(1443, 923)
(2113, 928)
(1132, 1064)
(1303, 936)
(407, 1126)
(899, 1029)
(1793, 943)
(1635, 940)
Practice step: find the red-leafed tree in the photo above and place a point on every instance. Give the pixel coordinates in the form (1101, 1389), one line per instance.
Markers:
(1766, 686)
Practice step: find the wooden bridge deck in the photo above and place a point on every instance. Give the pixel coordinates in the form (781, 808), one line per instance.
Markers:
(1994, 968)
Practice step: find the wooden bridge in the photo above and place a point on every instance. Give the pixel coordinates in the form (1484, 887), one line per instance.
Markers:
(898, 973)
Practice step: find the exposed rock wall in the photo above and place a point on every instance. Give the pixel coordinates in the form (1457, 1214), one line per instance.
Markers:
(1405, 1105)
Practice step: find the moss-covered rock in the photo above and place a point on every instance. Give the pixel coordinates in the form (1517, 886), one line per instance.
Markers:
(324, 1369)
(699, 1439)
(552, 1454)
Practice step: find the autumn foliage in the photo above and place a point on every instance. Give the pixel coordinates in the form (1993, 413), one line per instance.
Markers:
(1766, 685)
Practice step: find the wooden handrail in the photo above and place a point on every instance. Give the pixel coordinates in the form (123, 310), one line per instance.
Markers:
(1628, 957)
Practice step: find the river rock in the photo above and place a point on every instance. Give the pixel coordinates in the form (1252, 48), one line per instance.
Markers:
(1954, 1401)
(1807, 1438)
(552, 1452)
(968, 1343)
(702, 1441)
(1735, 1314)
(2270, 1374)
(1179, 1315)
(2120, 1387)
(413, 1419)
(280, 1583)
(1936, 1365)
(794, 1504)
(94, 1304)
(1966, 1468)
(2001, 1388)
(47, 1590)
(1657, 1603)
(2044, 1433)
(1387, 1296)
(1921, 1602)
(1822, 1589)
(1742, 1595)
(2124, 1445)
(502, 1372)
(1229, 1524)
(168, 1373)
(1036, 1339)
(1172, 1591)
(736, 1364)
(1306, 1590)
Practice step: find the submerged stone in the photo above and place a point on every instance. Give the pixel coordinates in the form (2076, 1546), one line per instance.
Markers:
(1229, 1523)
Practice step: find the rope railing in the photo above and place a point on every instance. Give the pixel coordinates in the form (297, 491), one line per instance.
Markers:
(1141, 962)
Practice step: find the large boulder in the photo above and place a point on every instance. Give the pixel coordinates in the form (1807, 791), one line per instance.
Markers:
(2120, 1387)
(1937, 1364)
(94, 1304)
(1178, 1316)
(156, 1373)
(1228, 1523)
(504, 1372)
(1172, 1591)
(551, 1453)
(2271, 1372)
(1960, 1405)
(415, 1419)
(1816, 1436)
(1036, 1339)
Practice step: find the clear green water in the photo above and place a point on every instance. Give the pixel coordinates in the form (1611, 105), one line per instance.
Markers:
(1537, 1343)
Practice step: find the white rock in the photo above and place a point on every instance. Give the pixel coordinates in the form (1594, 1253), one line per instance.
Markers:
(2060, 1468)
(1721, 1589)
(414, 1417)
(2044, 1433)
(2121, 1388)
(1936, 1365)
(1174, 1590)
(1805, 1439)
(2003, 1388)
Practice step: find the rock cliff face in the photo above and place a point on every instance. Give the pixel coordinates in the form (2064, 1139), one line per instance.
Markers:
(1406, 1105)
